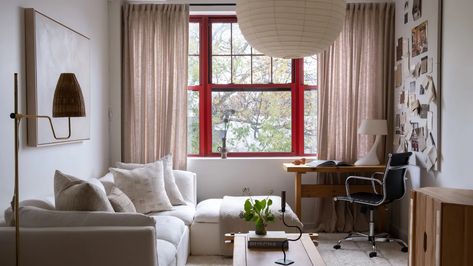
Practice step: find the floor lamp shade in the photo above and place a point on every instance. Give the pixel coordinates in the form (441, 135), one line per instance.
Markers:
(290, 29)
(68, 99)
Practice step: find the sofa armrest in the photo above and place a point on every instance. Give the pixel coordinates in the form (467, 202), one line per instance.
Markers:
(78, 246)
(187, 183)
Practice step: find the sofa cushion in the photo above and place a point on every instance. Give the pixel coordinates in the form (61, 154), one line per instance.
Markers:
(184, 212)
(74, 194)
(166, 253)
(172, 189)
(144, 186)
(208, 211)
(36, 217)
(120, 201)
(169, 228)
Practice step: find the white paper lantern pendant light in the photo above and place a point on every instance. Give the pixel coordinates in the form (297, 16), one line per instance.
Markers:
(290, 28)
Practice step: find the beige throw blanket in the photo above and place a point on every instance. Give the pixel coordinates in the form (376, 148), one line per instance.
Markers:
(230, 221)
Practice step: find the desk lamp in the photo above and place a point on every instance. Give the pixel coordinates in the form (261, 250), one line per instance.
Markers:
(376, 127)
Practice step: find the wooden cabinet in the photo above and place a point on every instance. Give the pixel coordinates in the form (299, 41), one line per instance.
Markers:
(441, 227)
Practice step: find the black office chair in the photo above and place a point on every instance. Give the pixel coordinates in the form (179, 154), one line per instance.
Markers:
(394, 188)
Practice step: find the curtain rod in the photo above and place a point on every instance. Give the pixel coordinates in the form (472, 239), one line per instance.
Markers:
(213, 4)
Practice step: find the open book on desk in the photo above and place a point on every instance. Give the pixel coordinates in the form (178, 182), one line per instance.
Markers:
(327, 163)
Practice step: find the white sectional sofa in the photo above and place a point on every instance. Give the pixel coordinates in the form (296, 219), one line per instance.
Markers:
(58, 238)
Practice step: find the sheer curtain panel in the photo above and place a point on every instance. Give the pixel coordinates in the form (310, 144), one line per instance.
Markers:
(154, 96)
(356, 83)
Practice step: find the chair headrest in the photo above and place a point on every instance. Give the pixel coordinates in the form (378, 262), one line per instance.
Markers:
(399, 159)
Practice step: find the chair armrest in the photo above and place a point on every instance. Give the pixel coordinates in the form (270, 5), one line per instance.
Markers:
(187, 183)
(78, 246)
(362, 178)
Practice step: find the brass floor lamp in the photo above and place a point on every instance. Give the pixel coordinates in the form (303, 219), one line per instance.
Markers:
(68, 102)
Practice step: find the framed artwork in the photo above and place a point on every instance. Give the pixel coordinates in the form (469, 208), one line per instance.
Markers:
(51, 49)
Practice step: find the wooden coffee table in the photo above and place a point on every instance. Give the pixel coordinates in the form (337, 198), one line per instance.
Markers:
(303, 252)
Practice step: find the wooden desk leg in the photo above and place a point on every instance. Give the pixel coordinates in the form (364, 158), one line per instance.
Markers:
(298, 191)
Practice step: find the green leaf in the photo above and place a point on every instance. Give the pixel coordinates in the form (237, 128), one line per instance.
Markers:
(258, 206)
(270, 202)
(249, 216)
(248, 206)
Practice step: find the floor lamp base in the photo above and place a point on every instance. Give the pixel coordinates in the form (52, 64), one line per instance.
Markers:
(284, 262)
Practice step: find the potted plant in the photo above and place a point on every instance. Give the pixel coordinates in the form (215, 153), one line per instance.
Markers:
(258, 211)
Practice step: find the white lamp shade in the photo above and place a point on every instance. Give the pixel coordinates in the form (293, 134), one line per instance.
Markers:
(290, 28)
(373, 127)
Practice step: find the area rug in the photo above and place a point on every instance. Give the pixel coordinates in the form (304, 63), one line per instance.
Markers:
(352, 253)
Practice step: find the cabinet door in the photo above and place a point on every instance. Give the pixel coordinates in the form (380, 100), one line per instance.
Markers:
(457, 235)
(425, 230)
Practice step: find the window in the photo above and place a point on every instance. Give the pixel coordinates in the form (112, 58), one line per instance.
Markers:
(274, 100)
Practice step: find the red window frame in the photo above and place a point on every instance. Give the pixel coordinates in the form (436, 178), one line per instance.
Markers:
(205, 87)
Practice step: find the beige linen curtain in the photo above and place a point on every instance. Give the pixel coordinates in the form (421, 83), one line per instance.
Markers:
(154, 97)
(356, 83)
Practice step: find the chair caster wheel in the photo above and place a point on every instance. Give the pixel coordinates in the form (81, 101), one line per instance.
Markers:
(404, 249)
(337, 246)
(373, 254)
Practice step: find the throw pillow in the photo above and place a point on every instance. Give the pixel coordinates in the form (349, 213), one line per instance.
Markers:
(74, 194)
(172, 190)
(144, 186)
(120, 201)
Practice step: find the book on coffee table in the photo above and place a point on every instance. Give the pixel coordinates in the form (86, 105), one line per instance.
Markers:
(272, 239)
(270, 236)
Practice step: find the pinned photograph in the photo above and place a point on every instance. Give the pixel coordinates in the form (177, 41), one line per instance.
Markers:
(416, 9)
(412, 87)
(421, 143)
(398, 124)
(430, 89)
(419, 39)
(424, 65)
(421, 89)
(414, 103)
(424, 110)
(398, 75)
(399, 47)
(402, 97)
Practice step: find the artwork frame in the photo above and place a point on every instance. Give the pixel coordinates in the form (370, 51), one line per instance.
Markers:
(51, 48)
(422, 82)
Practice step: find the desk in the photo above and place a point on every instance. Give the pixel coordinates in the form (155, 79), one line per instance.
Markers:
(321, 190)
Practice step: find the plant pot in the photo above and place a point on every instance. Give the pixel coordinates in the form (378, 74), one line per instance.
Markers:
(260, 229)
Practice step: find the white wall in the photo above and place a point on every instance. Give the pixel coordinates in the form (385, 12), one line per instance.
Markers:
(457, 95)
(37, 165)
(456, 108)
(115, 15)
